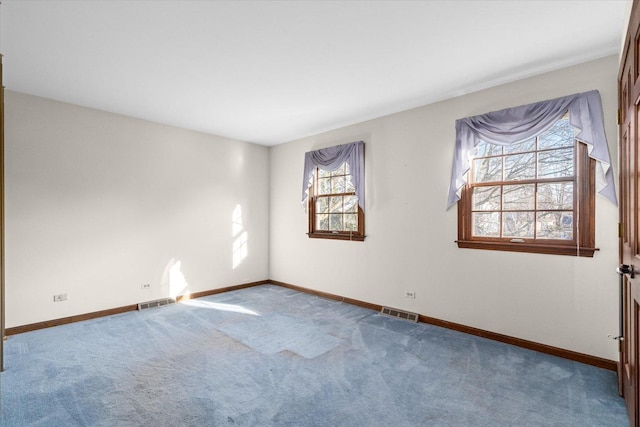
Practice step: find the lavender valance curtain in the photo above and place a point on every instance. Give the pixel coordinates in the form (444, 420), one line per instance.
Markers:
(330, 159)
(517, 124)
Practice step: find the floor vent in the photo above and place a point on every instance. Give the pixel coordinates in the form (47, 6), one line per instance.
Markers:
(412, 317)
(156, 303)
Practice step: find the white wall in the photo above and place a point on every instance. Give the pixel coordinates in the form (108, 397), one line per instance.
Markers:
(97, 204)
(562, 301)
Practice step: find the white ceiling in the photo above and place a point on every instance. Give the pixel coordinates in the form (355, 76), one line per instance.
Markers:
(274, 71)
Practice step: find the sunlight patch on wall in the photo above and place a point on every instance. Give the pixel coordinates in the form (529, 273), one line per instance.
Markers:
(173, 274)
(240, 237)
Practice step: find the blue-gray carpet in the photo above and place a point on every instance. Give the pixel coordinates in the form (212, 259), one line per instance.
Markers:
(270, 356)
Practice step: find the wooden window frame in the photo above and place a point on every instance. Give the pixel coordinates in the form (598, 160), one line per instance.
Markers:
(583, 243)
(314, 233)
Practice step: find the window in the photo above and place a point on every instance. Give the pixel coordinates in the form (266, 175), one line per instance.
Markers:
(532, 196)
(333, 191)
(334, 212)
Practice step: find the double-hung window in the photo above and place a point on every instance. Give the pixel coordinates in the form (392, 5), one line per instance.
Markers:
(333, 188)
(532, 196)
(333, 206)
(525, 178)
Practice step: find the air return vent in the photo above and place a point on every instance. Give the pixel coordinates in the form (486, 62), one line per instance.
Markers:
(412, 317)
(155, 303)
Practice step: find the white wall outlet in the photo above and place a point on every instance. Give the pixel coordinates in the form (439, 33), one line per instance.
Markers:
(144, 286)
(410, 294)
(59, 297)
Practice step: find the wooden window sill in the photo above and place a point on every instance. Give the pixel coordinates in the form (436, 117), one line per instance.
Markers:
(337, 236)
(569, 250)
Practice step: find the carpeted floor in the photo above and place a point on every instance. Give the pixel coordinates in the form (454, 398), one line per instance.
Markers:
(270, 356)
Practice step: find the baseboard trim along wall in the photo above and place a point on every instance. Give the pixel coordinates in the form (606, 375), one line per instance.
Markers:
(118, 310)
(530, 345)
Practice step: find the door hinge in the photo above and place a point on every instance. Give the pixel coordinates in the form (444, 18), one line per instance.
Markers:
(619, 230)
(619, 117)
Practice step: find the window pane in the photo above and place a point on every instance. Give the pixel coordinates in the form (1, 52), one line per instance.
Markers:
(518, 197)
(324, 186)
(517, 224)
(351, 222)
(519, 166)
(351, 204)
(485, 149)
(528, 145)
(555, 163)
(338, 184)
(335, 204)
(559, 135)
(555, 225)
(323, 173)
(486, 224)
(322, 222)
(556, 195)
(486, 198)
(322, 205)
(349, 188)
(335, 222)
(339, 171)
(487, 169)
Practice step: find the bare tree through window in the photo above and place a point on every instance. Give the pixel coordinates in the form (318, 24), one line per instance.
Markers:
(536, 195)
(334, 212)
(526, 190)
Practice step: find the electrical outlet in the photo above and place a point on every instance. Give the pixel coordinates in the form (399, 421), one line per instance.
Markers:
(144, 286)
(59, 297)
(410, 294)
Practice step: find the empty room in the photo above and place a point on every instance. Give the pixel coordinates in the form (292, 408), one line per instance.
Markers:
(319, 213)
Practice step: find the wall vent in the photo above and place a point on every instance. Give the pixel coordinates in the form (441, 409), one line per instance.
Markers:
(155, 303)
(412, 317)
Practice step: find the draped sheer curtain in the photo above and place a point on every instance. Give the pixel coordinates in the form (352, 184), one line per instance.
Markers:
(517, 124)
(332, 158)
